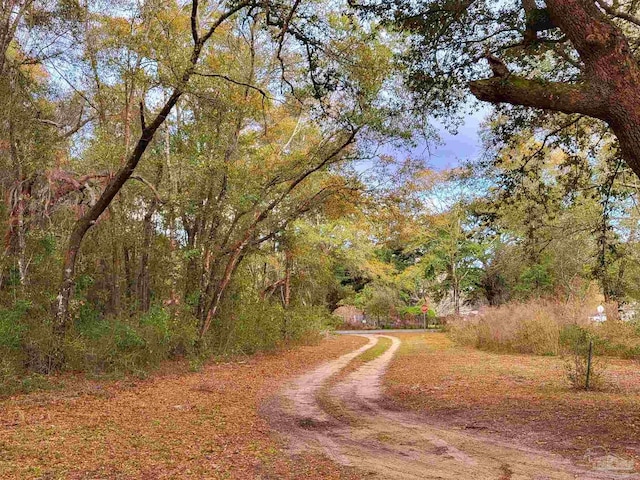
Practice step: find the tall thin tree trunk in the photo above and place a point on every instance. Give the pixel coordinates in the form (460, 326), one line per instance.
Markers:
(144, 279)
(129, 278)
(214, 304)
(19, 223)
(287, 278)
(114, 280)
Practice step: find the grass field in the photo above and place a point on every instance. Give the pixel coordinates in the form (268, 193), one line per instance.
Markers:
(520, 397)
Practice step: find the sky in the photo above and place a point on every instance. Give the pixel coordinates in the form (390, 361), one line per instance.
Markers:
(454, 149)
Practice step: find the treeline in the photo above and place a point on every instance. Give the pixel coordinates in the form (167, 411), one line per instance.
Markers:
(522, 224)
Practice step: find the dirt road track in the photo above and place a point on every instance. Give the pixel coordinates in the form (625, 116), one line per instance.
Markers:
(390, 444)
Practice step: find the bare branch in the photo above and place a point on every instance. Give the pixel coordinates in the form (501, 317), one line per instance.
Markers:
(149, 185)
(143, 123)
(222, 18)
(194, 21)
(236, 82)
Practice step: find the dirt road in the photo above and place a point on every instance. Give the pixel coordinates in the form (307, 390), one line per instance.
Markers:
(354, 428)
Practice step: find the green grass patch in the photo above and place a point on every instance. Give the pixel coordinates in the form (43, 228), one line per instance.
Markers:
(374, 352)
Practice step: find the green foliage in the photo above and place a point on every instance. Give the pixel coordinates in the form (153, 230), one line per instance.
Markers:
(106, 345)
(12, 325)
(260, 326)
(97, 344)
(535, 280)
(416, 310)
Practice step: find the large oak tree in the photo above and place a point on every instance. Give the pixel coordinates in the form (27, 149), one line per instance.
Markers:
(569, 56)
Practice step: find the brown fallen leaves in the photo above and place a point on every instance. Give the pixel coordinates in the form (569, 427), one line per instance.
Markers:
(176, 425)
(517, 397)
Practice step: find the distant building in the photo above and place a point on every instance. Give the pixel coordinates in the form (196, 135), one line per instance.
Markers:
(350, 315)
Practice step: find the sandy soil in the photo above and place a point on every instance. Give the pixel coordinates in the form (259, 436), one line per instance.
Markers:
(391, 444)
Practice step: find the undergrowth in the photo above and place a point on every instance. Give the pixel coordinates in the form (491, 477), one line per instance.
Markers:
(544, 327)
(107, 346)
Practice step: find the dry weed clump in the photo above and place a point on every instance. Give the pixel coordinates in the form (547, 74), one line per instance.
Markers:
(532, 327)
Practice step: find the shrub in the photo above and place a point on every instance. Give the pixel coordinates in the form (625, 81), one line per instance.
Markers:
(102, 345)
(262, 326)
(576, 341)
(12, 326)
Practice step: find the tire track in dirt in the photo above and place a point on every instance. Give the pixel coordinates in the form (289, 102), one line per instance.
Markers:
(400, 445)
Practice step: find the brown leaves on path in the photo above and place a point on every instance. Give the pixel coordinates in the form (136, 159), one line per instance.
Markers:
(176, 425)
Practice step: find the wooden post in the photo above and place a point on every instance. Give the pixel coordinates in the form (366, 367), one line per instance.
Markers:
(586, 386)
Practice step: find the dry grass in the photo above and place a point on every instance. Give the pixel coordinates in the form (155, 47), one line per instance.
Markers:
(175, 425)
(521, 397)
(533, 327)
(546, 327)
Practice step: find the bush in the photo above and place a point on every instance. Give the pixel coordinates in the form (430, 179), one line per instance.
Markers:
(12, 326)
(103, 345)
(533, 327)
(576, 342)
(100, 345)
(262, 326)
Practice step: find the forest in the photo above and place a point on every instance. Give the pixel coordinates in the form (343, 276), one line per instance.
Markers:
(201, 178)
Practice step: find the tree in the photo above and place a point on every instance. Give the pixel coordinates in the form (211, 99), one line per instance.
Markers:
(576, 57)
(125, 172)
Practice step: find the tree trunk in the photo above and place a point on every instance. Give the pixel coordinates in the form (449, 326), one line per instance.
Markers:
(130, 282)
(18, 224)
(144, 281)
(214, 304)
(114, 280)
(286, 292)
(83, 225)
(456, 288)
(287, 279)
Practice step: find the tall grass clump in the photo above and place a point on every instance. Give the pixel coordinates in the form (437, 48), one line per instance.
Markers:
(546, 327)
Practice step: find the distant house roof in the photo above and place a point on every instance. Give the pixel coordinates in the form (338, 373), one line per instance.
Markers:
(349, 313)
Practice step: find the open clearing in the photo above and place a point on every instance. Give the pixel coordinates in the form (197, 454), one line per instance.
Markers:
(384, 441)
(372, 406)
(519, 398)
